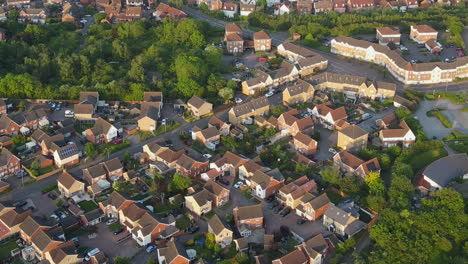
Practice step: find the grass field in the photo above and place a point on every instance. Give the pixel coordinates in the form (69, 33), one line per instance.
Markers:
(423, 159)
(87, 205)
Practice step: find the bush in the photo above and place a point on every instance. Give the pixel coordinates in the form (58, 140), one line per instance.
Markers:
(49, 188)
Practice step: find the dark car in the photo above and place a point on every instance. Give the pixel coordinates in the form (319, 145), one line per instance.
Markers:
(20, 204)
(118, 231)
(277, 209)
(222, 181)
(273, 205)
(52, 196)
(300, 221)
(270, 199)
(285, 212)
(193, 229)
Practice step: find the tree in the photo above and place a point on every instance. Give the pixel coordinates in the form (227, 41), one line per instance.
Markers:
(35, 165)
(277, 110)
(90, 150)
(402, 113)
(18, 140)
(179, 183)
(331, 174)
(375, 183)
(183, 223)
(376, 202)
(151, 261)
(226, 94)
(99, 16)
(210, 241)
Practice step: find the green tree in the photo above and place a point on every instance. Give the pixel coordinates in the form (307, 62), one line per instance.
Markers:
(35, 165)
(277, 110)
(90, 150)
(18, 140)
(376, 202)
(402, 113)
(99, 16)
(331, 175)
(375, 184)
(183, 222)
(179, 183)
(226, 94)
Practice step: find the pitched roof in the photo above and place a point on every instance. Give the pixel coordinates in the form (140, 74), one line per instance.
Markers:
(149, 109)
(196, 101)
(210, 132)
(101, 127)
(339, 215)
(388, 31)
(234, 37)
(304, 139)
(233, 28)
(396, 132)
(250, 212)
(315, 245)
(216, 224)
(424, 29)
(371, 165)
(95, 171)
(6, 157)
(299, 88)
(294, 48)
(233, 159)
(172, 251)
(251, 106)
(294, 257)
(320, 201)
(83, 108)
(260, 35)
(29, 226)
(67, 180)
(202, 197)
(214, 187)
(445, 169)
(353, 131)
(116, 200)
(113, 164)
(43, 238)
(349, 159)
(66, 249)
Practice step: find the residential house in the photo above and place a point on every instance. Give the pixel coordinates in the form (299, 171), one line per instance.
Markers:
(11, 219)
(282, 9)
(30, 227)
(187, 166)
(18, 3)
(173, 253)
(149, 115)
(9, 163)
(315, 249)
(157, 152)
(210, 136)
(34, 15)
(199, 203)
(311, 207)
(339, 6)
(292, 193)
(246, 9)
(360, 5)
(147, 229)
(22, 122)
(433, 46)
(248, 218)
(352, 137)
(69, 186)
(199, 107)
(114, 204)
(386, 35)
(296, 256)
(94, 174)
(422, 33)
(258, 84)
(262, 41)
(387, 121)
(114, 169)
(64, 253)
(66, 155)
(290, 124)
(301, 92)
(399, 101)
(234, 43)
(223, 235)
(442, 171)
(229, 164)
(304, 144)
(3, 104)
(165, 11)
(328, 116)
(304, 7)
(70, 12)
(92, 218)
(349, 163)
(101, 132)
(229, 9)
(223, 127)
(87, 106)
(324, 6)
(247, 170)
(394, 136)
(219, 194)
(265, 184)
(45, 241)
(243, 113)
(341, 222)
(242, 244)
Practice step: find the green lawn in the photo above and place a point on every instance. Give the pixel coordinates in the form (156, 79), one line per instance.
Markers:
(423, 159)
(164, 129)
(334, 197)
(114, 227)
(5, 249)
(439, 115)
(87, 205)
(454, 98)
(110, 148)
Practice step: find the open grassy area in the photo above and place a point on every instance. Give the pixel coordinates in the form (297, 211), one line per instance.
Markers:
(87, 205)
(460, 143)
(454, 98)
(110, 148)
(164, 129)
(423, 159)
(5, 249)
(439, 115)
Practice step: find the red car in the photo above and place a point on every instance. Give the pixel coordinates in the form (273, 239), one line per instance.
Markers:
(117, 141)
(262, 59)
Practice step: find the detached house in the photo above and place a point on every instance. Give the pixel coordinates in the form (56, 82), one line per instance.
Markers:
(360, 5)
(101, 132)
(94, 174)
(173, 253)
(114, 169)
(219, 194)
(291, 194)
(349, 163)
(422, 33)
(69, 186)
(352, 137)
(34, 15)
(223, 235)
(30, 227)
(187, 166)
(210, 136)
(159, 153)
(9, 163)
(11, 219)
(300, 93)
(341, 222)
(246, 9)
(199, 203)
(229, 9)
(45, 241)
(165, 11)
(223, 127)
(87, 106)
(199, 107)
(149, 115)
(386, 35)
(327, 116)
(392, 137)
(290, 124)
(304, 144)
(242, 114)
(233, 38)
(114, 204)
(248, 218)
(262, 41)
(304, 7)
(311, 207)
(265, 184)
(229, 164)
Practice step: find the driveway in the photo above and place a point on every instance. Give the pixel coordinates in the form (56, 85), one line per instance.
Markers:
(366, 125)
(327, 140)
(432, 126)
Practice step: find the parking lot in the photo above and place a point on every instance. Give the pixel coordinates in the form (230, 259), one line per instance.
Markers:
(419, 53)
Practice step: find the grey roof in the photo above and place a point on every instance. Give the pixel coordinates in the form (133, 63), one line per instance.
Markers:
(93, 215)
(68, 151)
(445, 169)
(338, 215)
(196, 101)
(251, 106)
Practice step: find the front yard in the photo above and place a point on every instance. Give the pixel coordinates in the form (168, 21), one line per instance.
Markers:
(87, 205)
(5, 250)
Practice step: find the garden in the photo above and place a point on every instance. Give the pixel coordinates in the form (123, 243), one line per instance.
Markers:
(87, 206)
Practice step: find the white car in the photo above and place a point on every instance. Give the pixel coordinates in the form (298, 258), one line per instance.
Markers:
(55, 217)
(238, 100)
(269, 94)
(208, 156)
(239, 185)
(332, 150)
(111, 221)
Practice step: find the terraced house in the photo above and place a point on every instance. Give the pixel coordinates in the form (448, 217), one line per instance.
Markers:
(301, 92)
(404, 71)
(243, 114)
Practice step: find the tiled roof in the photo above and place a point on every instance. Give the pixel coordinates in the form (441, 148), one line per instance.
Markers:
(250, 212)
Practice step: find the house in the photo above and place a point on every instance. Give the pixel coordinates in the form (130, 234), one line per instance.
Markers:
(11, 219)
(9, 163)
(199, 203)
(64, 253)
(149, 115)
(101, 132)
(339, 6)
(165, 11)
(247, 170)
(229, 9)
(30, 227)
(47, 240)
(290, 124)
(229, 164)
(296, 256)
(258, 84)
(422, 33)
(386, 35)
(352, 137)
(304, 144)
(199, 107)
(399, 101)
(265, 184)
(223, 235)
(3, 104)
(342, 223)
(327, 116)
(315, 249)
(304, 7)
(92, 218)
(69, 186)
(147, 229)
(301, 92)
(173, 253)
(66, 155)
(433, 46)
(387, 121)
(22, 122)
(18, 3)
(442, 171)
(210, 136)
(155, 151)
(312, 207)
(262, 41)
(242, 244)
(114, 169)
(70, 12)
(282, 9)
(85, 109)
(34, 15)
(223, 127)
(114, 204)
(212, 174)
(234, 43)
(243, 113)
(187, 166)
(323, 7)
(246, 9)
(349, 163)
(94, 174)
(219, 194)
(360, 5)
(248, 218)
(291, 194)
(393, 136)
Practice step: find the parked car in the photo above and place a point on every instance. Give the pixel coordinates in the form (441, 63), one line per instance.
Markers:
(300, 221)
(273, 205)
(117, 141)
(52, 195)
(269, 94)
(277, 208)
(193, 229)
(118, 231)
(150, 248)
(76, 241)
(238, 185)
(270, 199)
(19, 204)
(208, 156)
(55, 217)
(238, 100)
(60, 214)
(111, 221)
(223, 181)
(91, 253)
(285, 212)
(332, 150)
